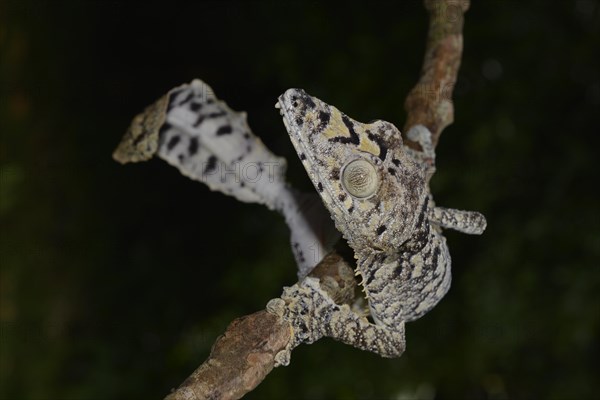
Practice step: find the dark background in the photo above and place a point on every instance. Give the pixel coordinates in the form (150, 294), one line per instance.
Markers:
(116, 280)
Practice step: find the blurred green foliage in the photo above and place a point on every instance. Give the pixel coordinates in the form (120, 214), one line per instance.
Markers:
(115, 280)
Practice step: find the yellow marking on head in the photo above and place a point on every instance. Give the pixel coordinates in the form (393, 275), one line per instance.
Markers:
(367, 144)
(336, 126)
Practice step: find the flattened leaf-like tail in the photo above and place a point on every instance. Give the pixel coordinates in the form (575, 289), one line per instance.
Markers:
(209, 142)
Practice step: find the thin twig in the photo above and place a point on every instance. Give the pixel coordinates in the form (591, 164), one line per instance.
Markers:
(429, 103)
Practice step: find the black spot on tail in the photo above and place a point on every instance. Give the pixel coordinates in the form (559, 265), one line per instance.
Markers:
(189, 97)
(171, 97)
(210, 165)
(216, 114)
(320, 187)
(173, 142)
(396, 162)
(199, 120)
(302, 156)
(202, 117)
(381, 229)
(165, 127)
(224, 130)
(193, 147)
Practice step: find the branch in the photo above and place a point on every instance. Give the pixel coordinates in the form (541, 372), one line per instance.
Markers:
(429, 103)
(245, 354)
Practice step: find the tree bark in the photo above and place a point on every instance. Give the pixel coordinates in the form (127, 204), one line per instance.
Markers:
(429, 103)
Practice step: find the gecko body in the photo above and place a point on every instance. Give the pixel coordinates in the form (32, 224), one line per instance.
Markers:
(377, 193)
(373, 186)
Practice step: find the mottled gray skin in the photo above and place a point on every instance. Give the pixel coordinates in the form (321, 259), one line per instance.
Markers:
(394, 229)
(312, 314)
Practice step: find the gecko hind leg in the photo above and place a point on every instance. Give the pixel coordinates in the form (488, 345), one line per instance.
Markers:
(312, 315)
(470, 222)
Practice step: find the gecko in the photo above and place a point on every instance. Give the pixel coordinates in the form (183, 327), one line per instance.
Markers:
(207, 141)
(373, 186)
(376, 190)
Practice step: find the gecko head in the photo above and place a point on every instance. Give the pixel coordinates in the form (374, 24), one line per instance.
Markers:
(373, 189)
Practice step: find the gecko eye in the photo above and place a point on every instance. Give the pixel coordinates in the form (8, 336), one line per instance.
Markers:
(360, 178)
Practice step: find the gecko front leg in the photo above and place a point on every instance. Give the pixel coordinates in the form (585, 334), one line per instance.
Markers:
(469, 222)
(312, 314)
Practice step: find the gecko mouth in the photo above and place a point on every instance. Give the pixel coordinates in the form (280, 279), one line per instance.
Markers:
(292, 105)
(296, 108)
(289, 105)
